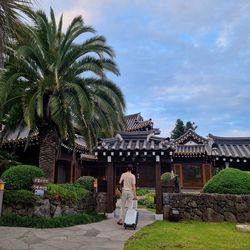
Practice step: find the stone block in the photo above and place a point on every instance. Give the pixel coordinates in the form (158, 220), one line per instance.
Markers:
(230, 217)
(211, 215)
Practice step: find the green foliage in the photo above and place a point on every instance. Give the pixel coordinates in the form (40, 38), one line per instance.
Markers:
(21, 176)
(229, 181)
(148, 201)
(66, 192)
(188, 236)
(7, 160)
(165, 177)
(45, 80)
(180, 128)
(86, 182)
(142, 191)
(18, 197)
(41, 222)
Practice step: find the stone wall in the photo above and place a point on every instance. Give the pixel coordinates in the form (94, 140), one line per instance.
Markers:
(208, 207)
(51, 208)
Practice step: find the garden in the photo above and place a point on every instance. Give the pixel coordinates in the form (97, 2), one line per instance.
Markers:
(62, 204)
(188, 235)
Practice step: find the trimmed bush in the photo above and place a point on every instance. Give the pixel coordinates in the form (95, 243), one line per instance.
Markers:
(165, 177)
(142, 191)
(66, 192)
(21, 177)
(86, 182)
(148, 200)
(13, 220)
(229, 181)
(18, 197)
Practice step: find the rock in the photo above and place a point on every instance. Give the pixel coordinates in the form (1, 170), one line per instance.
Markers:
(211, 215)
(58, 212)
(241, 218)
(241, 207)
(230, 217)
(68, 211)
(186, 216)
(7, 210)
(42, 209)
(166, 210)
(192, 204)
(243, 228)
(52, 208)
(22, 212)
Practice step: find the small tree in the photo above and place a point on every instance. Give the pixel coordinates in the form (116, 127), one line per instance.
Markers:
(191, 125)
(178, 130)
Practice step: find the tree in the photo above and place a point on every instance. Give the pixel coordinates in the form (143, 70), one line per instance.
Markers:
(180, 128)
(190, 125)
(57, 87)
(10, 13)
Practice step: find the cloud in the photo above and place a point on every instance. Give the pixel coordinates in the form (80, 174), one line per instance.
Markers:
(178, 59)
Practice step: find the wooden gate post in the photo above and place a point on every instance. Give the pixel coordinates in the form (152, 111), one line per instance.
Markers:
(158, 192)
(110, 187)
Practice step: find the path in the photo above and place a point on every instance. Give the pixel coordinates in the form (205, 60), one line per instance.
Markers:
(101, 235)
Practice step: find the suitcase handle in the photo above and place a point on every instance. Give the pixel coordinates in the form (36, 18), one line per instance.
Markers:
(134, 203)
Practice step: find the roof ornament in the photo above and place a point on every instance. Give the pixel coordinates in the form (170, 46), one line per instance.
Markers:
(119, 137)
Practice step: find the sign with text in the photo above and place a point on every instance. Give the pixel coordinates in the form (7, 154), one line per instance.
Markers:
(40, 183)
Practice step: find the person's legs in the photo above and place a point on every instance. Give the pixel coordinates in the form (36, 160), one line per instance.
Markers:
(130, 198)
(122, 207)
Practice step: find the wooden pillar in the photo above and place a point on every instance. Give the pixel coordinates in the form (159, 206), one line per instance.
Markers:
(71, 171)
(110, 187)
(158, 191)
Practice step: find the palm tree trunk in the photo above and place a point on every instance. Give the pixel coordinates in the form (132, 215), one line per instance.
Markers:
(48, 141)
(1, 48)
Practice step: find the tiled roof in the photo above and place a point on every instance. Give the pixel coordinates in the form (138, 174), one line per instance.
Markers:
(139, 140)
(190, 135)
(20, 136)
(234, 147)
(136, 122)
(191, 150)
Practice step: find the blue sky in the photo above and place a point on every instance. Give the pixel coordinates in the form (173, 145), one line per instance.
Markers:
(187, 59)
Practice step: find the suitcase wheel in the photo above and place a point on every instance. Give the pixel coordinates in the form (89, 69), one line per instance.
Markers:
(134, 226)
(125, 226)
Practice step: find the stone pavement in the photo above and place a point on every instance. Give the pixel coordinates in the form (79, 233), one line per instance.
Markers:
(95, 236)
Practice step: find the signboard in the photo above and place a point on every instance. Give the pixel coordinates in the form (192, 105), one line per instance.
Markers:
(40, 185)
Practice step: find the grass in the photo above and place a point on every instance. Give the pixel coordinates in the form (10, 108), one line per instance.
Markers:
(188, 235)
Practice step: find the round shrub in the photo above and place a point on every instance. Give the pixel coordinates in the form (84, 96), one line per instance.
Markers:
(21, 176)
(66, 192)
(165, 177)
(12, 197)
(86, 182)
(229, 181)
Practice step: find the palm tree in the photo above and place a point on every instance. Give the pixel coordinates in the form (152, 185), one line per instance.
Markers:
(57, 87)
(10, 13)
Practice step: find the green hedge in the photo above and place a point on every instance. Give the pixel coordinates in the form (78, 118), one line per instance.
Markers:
(66, 192)
(165, 177)
(18, 197)
(229, 181)
(87, 182)
(142, 191)
(148, 200)
(21, 177)
(41, 222)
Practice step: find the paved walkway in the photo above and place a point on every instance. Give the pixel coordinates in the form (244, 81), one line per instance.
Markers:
(95, 236)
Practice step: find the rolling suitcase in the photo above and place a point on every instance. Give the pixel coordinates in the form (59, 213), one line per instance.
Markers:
(131, 217)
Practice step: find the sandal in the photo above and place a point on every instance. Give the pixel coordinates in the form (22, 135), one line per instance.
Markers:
(119, 222)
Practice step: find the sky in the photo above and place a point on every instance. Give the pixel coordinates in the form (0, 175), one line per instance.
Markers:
(187, 59)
